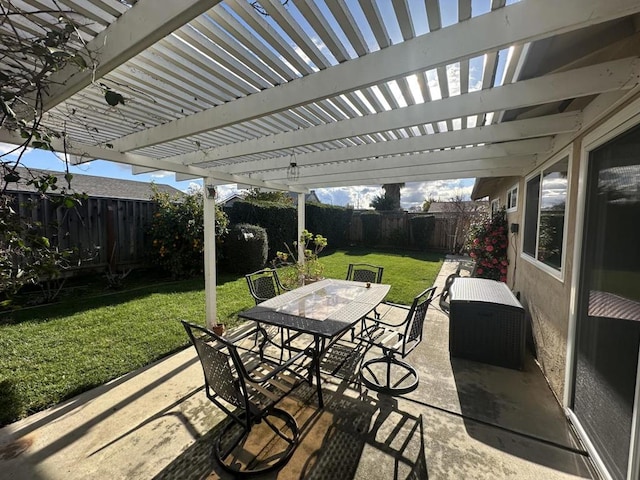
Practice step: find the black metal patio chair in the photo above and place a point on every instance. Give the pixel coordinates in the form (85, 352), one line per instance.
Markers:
(252, 386)
(388, 374)
(264, 284)
(364, 272)
(467, 266)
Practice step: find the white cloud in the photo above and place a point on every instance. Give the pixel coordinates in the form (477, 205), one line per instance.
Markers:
(194, 188)
(412, 195)
(162, 174)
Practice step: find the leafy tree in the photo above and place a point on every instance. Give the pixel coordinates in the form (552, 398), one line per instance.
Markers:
(26, 255)
(382, 202)
(255, 195)
(177, 232)
(390, 200)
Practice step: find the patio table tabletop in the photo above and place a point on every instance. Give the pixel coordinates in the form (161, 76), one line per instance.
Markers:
(324, 309)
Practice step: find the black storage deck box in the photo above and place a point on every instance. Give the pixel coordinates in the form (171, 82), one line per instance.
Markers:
(486, 323)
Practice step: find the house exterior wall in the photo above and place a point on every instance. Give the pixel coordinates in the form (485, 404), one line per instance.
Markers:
(546, 297)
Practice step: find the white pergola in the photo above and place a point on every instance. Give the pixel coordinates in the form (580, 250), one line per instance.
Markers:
(354, 92)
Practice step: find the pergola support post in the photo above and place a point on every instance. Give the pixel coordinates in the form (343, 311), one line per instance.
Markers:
(301, 225)
(210, 254)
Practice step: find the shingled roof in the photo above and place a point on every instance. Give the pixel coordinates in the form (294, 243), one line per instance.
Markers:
(95, 186)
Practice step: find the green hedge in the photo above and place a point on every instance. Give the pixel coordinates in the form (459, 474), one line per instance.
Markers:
(421, 228)
(280, 222)
(370, 228)
(330, 222)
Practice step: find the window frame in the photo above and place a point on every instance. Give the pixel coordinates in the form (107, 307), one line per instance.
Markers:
(512, 194)
(496, 209)
(539, 172)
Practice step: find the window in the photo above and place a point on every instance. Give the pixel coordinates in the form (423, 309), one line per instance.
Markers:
(544, 214)
(512, 199)
(495, 206)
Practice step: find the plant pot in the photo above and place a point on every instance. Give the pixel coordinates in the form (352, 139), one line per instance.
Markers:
(218, 329)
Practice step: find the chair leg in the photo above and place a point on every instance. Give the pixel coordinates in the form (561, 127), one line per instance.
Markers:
(233, 458)
(399, 376)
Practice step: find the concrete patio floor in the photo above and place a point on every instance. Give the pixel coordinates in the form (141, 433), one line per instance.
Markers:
(479, 422)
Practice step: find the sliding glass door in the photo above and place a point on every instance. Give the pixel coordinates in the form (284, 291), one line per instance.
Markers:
(608, 323)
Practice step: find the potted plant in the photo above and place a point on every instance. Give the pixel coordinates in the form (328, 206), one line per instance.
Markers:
(309, 271)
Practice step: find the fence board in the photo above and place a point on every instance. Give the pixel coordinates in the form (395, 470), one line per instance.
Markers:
(95, 227)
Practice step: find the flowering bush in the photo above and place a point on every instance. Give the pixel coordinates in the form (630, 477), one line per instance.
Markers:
(487, 244)
(177, 232)
(309, 271)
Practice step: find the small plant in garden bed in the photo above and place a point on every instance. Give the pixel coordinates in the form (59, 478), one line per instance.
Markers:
(309, 271)
(487, 244)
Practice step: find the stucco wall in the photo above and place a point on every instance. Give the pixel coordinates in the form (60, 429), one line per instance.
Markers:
(544, 296)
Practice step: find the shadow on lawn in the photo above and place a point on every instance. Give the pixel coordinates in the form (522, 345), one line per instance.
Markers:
(78, 303)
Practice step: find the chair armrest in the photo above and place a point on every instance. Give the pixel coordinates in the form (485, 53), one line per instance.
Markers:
(379, 321)
(404, 307)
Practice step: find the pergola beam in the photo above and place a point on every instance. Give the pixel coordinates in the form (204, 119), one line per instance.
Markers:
(609, 76)
(84, 151)
(379, 167)
(424, 176)
(140, 27)
(517, 23)
(504, 132)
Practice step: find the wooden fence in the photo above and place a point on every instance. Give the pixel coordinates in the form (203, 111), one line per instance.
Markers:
(108, 232)
(394, 229)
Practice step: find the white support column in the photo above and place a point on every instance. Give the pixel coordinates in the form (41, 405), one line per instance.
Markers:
(301, 224)
(209, 255)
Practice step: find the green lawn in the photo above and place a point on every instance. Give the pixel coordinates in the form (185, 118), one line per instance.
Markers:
(51, 353)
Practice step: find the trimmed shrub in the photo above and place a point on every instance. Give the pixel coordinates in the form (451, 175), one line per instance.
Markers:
(278, 220)
(421, 229)
(245, 248)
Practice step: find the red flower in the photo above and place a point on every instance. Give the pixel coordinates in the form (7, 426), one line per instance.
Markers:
(505, 263)
(489, 248)
(503, 271)
(503, 279)
(472, 254)
(494, 261)
(476, 241)
(480, 271)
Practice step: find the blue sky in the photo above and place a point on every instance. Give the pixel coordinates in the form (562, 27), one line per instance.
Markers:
(359, 196)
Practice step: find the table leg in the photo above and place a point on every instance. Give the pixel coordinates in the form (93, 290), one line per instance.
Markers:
(317, 353)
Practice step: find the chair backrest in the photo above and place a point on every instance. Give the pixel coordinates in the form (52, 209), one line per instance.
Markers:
(218, 360)
(467, 266)
(415, 320)
(364, 272)
(264, 284)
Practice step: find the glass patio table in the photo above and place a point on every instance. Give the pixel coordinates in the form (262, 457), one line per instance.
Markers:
(325, 309)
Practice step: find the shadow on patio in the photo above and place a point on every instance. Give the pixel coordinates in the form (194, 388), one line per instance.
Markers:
(476, 421)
